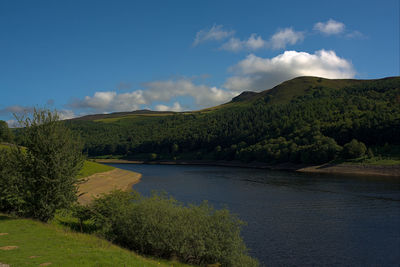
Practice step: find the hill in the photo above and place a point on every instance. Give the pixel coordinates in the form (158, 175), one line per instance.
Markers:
(25, 242)
(303, 120)
(119, 115)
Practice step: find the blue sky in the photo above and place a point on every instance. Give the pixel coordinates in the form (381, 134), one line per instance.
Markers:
(84, 57)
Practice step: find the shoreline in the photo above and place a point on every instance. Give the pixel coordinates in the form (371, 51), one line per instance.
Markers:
(104, 182)
(328, 168)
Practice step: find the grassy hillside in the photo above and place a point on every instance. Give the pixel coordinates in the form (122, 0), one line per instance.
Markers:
(304, 120)
(32, 243)
(90, 168)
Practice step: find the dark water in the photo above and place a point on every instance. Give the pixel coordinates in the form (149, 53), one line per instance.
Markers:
(294, 219)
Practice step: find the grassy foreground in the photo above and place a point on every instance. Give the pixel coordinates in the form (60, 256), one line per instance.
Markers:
(26, 242)
(38, 243)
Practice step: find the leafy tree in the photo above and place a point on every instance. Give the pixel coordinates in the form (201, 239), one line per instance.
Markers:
(354, 149)
(45, 172)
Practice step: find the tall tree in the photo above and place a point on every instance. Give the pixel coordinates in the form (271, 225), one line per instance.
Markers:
(48, 166)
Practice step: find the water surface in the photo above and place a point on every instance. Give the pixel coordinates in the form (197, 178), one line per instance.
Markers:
(294, 219)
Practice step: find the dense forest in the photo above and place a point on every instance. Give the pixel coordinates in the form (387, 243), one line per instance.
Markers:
(304, 120)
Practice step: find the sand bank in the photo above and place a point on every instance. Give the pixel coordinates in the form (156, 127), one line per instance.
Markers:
(347, 169)
(104, 182)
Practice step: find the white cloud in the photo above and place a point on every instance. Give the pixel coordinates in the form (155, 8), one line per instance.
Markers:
(16, 109)
(175, 107)
(355, 34)
(111, 101)
(66, 114)
(216, 33)
(330, 27)
(155, 91)
(255, 42)
(234, 44)
(203, 95)
(284, 37)
(256, 74)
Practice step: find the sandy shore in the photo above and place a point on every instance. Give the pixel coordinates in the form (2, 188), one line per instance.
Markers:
(347, 169)
(104, 182)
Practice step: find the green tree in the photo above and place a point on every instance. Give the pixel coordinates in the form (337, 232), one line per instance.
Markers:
(5, 133)
(174, 148)
(47, 170)
(354, 149)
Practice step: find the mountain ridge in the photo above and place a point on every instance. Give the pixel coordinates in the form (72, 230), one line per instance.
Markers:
(281, 93)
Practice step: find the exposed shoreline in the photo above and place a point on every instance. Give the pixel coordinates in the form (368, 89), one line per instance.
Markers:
(103, 182)
(346, 169)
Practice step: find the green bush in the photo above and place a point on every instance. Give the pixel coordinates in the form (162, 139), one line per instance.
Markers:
(354, 149)
(163, 227)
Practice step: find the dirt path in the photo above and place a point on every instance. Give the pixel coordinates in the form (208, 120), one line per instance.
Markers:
(106, 181)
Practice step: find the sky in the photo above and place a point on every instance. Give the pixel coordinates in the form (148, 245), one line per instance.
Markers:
(86, 57)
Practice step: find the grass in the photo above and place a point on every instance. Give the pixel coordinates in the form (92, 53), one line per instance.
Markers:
(133, 116)
(90, 168)
(374, 161)
(7, 146)
(40, 243)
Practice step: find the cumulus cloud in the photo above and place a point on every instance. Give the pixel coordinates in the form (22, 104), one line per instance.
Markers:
(110, 101)
(16, 109)
(215, 33)
(355, 35)
(256, 73)
(66, 114)
(22, 111)
(203, 95)
(330, 27)
(155, 91)
(279, 40)
(254, 42)
(175, 107)
(284, 37)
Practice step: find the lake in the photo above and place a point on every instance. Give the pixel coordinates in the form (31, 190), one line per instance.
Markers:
(294, 219)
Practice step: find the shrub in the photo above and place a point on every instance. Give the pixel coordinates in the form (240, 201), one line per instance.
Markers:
(163, 227)
(354, 149)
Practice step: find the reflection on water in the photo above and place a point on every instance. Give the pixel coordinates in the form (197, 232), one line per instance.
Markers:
(294, 219)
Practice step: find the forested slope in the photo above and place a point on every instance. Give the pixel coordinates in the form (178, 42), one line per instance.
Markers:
(304, 120)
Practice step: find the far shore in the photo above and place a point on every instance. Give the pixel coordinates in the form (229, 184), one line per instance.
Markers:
(105, 182)
(347, 169)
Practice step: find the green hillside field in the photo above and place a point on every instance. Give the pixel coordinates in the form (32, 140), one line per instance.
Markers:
(25, 242)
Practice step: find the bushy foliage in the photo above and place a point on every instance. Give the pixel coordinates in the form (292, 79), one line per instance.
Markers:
(12, 187)
(42, 176)
(5, 133)
(354, 149)
(163, 227)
